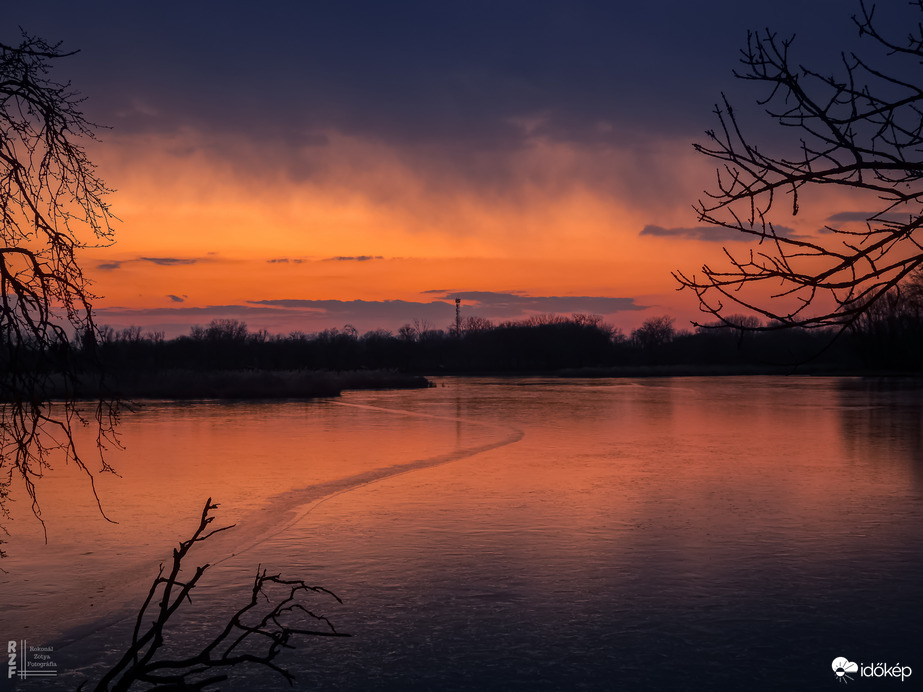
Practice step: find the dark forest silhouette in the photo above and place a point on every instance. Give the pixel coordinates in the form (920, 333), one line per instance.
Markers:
(887, 339)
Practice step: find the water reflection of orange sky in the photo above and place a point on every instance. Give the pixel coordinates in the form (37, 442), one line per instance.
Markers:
(177, 456)
(686, 484)
(694, 474)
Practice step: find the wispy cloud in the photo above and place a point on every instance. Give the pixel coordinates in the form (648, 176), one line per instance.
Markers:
(715, 234)
(168, 261)
(290, 314)
(709, 233)
(359, 258)
(175, 299)
(518, 303)
(285, 260)
(864, 216)
(385, 311)
(160, 261)
(493, 305)
(478, 296)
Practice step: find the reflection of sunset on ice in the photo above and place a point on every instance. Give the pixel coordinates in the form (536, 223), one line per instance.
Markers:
(506, 507)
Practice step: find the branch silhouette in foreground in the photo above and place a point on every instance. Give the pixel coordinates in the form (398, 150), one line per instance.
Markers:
(255, 634)
(859, 131)
(52, 207)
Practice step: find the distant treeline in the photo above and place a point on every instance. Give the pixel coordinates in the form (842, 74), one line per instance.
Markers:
(887, 339)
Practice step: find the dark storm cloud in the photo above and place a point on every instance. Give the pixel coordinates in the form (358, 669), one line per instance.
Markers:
(464, 73)
(717, 234)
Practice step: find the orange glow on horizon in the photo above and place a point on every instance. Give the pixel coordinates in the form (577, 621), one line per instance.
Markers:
(207, 222)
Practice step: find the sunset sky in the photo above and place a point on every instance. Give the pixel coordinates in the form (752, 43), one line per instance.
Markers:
(304, 165)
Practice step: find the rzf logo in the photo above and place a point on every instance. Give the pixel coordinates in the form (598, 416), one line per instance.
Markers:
(11, 651)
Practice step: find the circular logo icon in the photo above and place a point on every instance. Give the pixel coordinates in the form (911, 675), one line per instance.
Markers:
(841, 666)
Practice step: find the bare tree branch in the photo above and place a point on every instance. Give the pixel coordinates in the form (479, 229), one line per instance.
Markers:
(52, 204)
(861, 131)
(256, 634)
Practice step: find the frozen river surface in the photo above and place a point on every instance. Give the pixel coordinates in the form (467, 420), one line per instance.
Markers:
(662, 534)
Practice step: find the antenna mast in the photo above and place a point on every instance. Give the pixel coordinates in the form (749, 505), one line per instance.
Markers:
(458, 317)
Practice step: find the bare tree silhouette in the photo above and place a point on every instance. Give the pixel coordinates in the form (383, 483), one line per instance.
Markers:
(255, 634)
(862, 131)
(654, 333)
(52, 204)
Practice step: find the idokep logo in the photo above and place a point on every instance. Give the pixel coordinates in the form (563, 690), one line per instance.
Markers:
(843, 666)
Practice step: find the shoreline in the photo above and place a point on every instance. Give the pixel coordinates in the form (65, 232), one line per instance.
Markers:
(254, 384)
(185, 385)
(673, 370)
